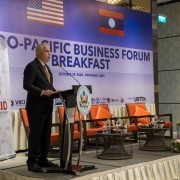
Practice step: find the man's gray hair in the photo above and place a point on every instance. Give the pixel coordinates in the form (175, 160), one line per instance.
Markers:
(40, 47)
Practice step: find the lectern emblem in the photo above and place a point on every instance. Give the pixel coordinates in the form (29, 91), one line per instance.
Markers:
(83, 100)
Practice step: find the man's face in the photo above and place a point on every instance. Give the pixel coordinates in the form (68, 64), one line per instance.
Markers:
(45, 54)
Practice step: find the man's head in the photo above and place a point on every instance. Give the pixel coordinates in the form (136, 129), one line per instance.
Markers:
(43, 52)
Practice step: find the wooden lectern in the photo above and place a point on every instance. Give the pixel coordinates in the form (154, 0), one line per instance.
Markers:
(68, 98)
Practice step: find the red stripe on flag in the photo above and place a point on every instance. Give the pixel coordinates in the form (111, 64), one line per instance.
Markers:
(43, 13)
(45, 22)
(54, 2)
(112, 14)
(49, 18)
(111, 31)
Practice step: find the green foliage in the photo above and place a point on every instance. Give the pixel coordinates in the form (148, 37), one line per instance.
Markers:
(175, 145)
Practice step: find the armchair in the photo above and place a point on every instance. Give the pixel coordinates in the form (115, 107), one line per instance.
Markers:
(54, 141)
(97, 119)
(140, 116)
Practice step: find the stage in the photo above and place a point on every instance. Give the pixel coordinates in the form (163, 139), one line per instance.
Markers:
(17, 165)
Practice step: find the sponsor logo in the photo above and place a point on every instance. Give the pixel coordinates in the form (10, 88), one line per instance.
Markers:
(108, 100)
(116, 100)
(138, 99)
(3, 105)
(98, 100)
(103, 100)
(18, 102)
(122, 100)
(93, 101)
(12, 103)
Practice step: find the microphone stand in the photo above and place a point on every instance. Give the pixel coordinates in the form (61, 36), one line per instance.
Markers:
(70, 74)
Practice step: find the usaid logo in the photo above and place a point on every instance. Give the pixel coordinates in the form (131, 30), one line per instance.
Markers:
(3, 108)
(3, 105)
(18, 102)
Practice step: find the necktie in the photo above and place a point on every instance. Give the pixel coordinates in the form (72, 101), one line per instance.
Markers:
(46, 73)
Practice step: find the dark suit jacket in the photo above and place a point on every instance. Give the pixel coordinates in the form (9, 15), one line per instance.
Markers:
(34, 82)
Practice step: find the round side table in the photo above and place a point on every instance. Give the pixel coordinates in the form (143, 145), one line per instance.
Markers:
(113, 145)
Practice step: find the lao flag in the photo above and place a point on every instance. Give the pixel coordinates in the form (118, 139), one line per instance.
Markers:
(111, 22)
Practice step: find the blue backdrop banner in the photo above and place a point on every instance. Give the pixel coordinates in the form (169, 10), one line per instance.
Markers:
(106, 46)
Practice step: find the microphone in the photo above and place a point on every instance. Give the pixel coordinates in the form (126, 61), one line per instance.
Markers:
(69, 73)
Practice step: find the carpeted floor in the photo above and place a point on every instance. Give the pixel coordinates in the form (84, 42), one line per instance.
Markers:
(18, 165)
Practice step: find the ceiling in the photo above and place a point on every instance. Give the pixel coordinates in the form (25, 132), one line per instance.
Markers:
(140, 5)
(158, 1)
(161, 1)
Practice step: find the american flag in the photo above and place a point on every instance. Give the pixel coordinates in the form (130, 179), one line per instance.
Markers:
(46, 11)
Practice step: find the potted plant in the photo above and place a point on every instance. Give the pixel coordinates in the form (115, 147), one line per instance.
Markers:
(123, 126)
(160, 123)
(175, 145)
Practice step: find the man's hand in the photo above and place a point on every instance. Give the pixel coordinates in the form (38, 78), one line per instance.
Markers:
(47, 92)
(57, 91)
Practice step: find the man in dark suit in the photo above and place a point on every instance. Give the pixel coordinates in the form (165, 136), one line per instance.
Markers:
(38, 81)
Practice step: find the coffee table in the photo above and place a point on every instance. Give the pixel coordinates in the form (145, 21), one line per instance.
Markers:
(154, 140)
(113, 145)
